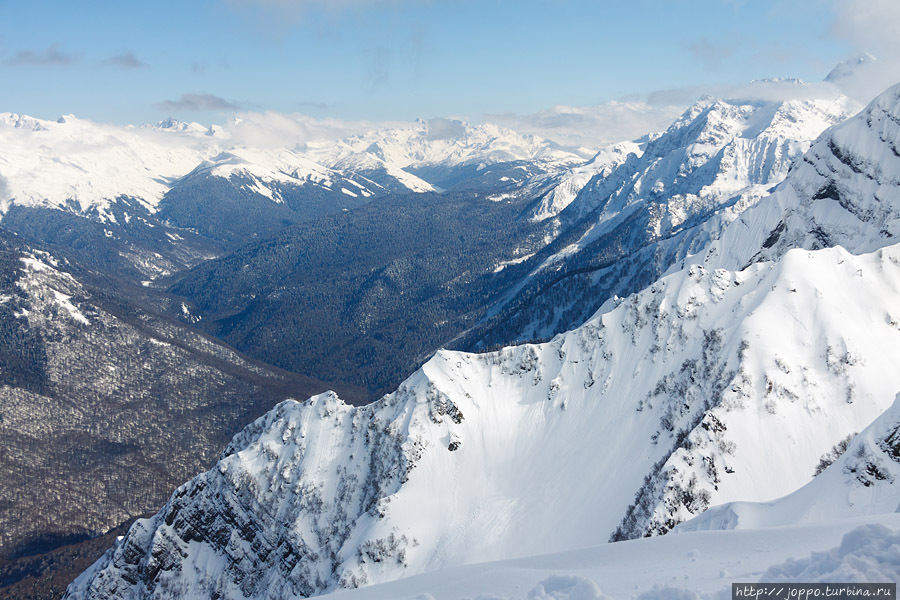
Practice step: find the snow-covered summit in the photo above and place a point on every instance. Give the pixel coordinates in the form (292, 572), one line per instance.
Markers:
(566, 189)
(85, 165)
(266, 171)
(445, 142)
(717, 151)
(848, 68)
(172, 124)
(845, 191)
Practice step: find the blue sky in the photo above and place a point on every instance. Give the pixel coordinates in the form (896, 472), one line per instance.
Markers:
(129, 62)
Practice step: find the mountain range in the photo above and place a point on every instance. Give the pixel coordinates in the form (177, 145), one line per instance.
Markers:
(743, 374)
(703, 316)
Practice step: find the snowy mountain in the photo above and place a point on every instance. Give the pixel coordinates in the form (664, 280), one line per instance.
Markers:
(638, 215)
(82, 165)
(444, 154)
(442, 142)
(90, 191)
(710, 386)
(671, 396)
(567, 188)
(843, 192)
(169, 196)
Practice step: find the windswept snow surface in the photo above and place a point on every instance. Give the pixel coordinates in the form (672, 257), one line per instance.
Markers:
(695, 566)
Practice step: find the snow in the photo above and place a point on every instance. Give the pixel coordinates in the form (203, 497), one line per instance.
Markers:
(692, 566)
(845, 191)
(457, 143)
(48, 163)
(684, 381)
(512, 261)
(865, 480)
(666, 197)
(716, 152)
(603, 163)
(40, 272)
(75, 164)
(64, 301)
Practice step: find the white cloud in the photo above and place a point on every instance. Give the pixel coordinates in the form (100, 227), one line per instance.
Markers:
(592, 126)
(871, 26)
(278, 130)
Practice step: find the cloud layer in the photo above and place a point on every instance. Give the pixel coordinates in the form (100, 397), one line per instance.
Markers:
(48, 57)
(592, 126)
(871, 26)
(197, 103)
(126, 60)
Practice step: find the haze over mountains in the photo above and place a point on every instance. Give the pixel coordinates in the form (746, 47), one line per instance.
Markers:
(715, 305)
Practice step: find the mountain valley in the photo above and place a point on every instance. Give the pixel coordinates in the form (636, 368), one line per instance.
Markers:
(470, 312)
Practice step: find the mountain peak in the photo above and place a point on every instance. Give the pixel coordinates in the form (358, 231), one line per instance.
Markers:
(845, 191)
(846, 69)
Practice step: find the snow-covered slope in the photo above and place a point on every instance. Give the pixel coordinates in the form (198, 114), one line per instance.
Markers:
(719, 149)
(845, 191)
(84, 165)
(699, 566)
(442, 153)
(710, 386)
(266, 172)
(861, 481)
(566, 189)
(629, 224)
